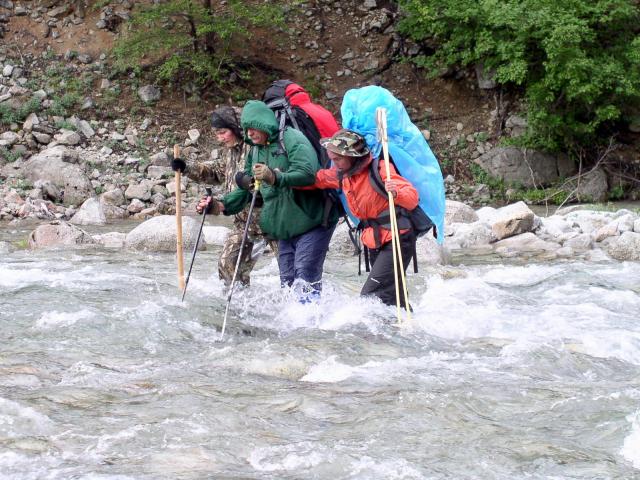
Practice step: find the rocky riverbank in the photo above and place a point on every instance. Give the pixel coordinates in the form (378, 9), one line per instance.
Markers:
(511, 232)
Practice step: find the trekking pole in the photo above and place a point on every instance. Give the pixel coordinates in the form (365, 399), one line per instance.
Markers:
(256, 188)
(398, 264)
(195, 247)
(179, 254)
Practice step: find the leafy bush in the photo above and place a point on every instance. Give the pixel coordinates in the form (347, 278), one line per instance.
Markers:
(554, 196)
(9, 114)
(61, 106)
(577, 61)
(616, 193)
(9, 155)
(192, 39)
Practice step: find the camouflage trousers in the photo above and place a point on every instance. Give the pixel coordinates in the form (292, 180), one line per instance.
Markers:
(229, 257)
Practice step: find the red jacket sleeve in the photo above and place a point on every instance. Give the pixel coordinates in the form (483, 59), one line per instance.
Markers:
(325, 178)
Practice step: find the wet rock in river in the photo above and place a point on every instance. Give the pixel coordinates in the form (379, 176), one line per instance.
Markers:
(57, 234)
(159, 234)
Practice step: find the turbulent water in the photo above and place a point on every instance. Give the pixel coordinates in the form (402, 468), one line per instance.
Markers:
(505, 371)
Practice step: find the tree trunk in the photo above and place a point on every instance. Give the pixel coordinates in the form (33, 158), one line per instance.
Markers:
(210, 38)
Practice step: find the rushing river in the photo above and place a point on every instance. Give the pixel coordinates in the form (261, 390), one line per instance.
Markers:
(506, 371)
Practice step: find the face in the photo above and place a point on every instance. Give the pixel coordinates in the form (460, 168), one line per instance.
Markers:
(342, 162)
(258, 137)
(225, 136)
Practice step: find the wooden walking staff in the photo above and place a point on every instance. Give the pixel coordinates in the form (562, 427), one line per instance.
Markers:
(398, 264)
(179, 254)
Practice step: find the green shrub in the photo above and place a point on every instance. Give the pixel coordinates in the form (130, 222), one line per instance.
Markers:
(576, 61)
(9, 155)
(616, 193)
(66, 125)
(551, 195)
(188, 39)
(479, 174)
(61, 106)
(9, 115)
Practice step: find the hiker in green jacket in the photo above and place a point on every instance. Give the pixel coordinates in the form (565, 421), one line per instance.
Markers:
(293, 217)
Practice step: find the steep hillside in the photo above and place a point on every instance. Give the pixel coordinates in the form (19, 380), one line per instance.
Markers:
(322, 51)
(59, 53)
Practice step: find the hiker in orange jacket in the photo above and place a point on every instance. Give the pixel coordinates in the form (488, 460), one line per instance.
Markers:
(351, 158)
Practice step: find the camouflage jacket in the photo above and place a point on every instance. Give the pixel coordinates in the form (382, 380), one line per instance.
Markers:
(222, 171)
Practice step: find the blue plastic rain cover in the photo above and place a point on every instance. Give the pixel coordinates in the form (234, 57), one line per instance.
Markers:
(407, 146)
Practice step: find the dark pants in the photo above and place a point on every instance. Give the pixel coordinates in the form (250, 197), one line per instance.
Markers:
(380, 281)
(302, 257)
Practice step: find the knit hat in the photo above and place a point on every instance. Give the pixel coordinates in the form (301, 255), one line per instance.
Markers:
(227, 117)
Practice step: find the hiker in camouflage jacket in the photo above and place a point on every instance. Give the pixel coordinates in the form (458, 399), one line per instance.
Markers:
(226, 127)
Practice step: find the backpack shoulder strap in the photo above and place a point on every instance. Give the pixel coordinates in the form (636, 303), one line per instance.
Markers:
(374, 177)
(282, 125)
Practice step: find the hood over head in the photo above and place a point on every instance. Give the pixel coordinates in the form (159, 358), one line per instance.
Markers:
(257, 115)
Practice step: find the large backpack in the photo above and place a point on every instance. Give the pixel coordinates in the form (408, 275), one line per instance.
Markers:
(411, 153)
(289, 115)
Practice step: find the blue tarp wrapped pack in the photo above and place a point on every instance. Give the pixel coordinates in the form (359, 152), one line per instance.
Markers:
(407, 146)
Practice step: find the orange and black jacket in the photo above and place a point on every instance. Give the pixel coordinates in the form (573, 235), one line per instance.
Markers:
(365, 202)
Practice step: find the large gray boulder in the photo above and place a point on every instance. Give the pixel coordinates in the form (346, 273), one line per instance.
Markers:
(90, 213)
(524, 243)
(149, 94)
(113, 197)
(141, 191)
(512, 220)
(159, 234)
(458, 212)
(580, 242)
(468, 235)
(430, 252)
(53, 165)
(589, 221)
(57, 234)
(554, 226)
(111, 202)
(215, 234)
(625, 247)
(593, 187)
(68, 137)
(111, 239)
(529, 168)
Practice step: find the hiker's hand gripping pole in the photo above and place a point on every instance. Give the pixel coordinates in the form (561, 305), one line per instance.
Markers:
(398, 264)
(179, 255)
(195, 247)
(256, 189)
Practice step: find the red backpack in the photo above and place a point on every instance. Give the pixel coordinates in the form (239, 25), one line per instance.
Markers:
(293, 108)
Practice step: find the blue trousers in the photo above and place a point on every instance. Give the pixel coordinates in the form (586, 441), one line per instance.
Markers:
(300, 259)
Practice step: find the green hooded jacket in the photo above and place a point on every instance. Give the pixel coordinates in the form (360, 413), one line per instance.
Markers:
(286, 212)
